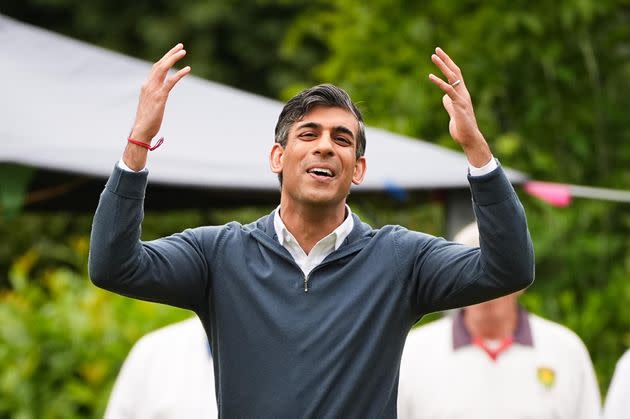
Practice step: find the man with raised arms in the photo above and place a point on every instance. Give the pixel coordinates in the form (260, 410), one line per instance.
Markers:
(308, 308)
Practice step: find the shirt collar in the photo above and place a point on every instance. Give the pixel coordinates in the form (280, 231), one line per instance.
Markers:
(340, 233)
(522, 334)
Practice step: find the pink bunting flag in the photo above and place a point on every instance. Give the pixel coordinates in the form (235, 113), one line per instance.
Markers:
(556, 194)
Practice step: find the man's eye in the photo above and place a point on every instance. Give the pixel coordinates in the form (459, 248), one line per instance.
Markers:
(343, 140)
(307, 135)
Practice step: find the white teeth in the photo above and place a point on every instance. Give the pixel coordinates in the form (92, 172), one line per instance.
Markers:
(320, 171)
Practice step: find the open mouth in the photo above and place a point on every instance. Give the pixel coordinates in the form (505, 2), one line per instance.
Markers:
(320, 171)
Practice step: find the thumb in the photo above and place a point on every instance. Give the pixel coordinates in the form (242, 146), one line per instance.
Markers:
(448, 105)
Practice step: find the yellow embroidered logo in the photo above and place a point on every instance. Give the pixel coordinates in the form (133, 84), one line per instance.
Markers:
(546, 376)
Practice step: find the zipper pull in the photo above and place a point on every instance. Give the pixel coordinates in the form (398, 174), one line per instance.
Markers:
(305, 283)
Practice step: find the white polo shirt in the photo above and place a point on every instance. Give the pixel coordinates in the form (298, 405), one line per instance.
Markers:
(167, 374)
(618, 399)
(545, 373)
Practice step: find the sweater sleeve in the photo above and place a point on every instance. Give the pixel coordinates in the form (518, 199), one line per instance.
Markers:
(445, 275)
(171, 270)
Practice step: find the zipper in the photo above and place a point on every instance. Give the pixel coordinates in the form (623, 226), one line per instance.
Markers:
(275, 247)
(306, 282)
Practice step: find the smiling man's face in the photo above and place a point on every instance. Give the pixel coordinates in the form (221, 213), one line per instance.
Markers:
(319, 162)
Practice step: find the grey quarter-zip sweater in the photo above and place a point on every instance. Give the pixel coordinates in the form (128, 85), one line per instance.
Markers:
(332, 351)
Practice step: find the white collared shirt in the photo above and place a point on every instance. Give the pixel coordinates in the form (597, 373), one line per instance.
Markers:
(322, 248)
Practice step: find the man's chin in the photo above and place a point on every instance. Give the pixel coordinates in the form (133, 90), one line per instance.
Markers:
(324, 198)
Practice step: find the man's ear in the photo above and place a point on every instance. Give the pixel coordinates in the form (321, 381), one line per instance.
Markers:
(360, 168)
(275, 158)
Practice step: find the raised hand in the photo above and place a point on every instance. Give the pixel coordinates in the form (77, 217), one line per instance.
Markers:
(154, 94)
(457, 102)
(150, 112)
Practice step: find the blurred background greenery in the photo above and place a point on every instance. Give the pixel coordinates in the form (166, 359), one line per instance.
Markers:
(550, 85)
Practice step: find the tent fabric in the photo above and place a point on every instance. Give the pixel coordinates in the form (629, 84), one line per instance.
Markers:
(68, 106)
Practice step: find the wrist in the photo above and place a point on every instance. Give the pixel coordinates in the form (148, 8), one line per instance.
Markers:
(477, 152)
(144, 145)
(139, 135)
(135, 157)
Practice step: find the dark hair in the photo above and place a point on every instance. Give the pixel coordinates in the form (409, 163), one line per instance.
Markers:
(321, 95)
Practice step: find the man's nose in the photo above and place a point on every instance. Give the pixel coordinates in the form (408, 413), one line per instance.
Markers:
(324, 144)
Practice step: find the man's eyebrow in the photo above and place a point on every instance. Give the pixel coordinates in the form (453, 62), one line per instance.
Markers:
(313, 125)
(338, 129)
(344, 130)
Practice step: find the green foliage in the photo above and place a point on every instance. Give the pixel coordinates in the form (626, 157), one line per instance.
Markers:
(62, 340)
(14, 180)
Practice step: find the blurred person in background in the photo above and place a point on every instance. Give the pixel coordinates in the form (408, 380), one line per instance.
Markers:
(496, 360)
(617, 404)
(168, 374)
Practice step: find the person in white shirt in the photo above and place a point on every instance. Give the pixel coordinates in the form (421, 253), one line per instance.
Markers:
(167, 375)
(617, 404)
(496, 360)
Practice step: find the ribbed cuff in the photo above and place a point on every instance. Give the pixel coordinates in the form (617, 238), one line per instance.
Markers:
(491, 188)
(127, 184)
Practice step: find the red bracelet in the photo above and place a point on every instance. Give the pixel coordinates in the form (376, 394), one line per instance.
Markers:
(145, 145)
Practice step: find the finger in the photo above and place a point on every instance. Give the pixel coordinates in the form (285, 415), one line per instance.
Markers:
(450, 75)
(170, 61)
(161, 68)
(444, 86)
(448, 105)
(174, 50)
(448, 61)
(172, 81)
